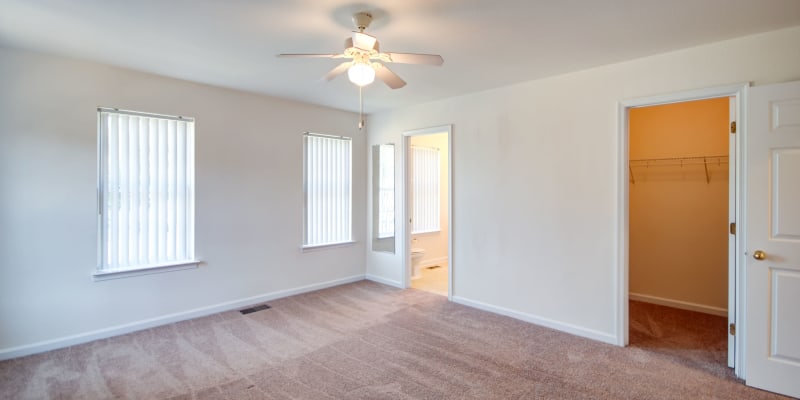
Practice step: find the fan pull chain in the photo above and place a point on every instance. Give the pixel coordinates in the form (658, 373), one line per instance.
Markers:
(361, 107)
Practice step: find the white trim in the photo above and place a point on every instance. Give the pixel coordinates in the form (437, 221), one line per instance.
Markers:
(734, 175)
(689, 95)
(322, 135)
(621, 281)
(20, 351)
(545, 322)
(104, 275)
(145, 114)
(425, 231)
(737, 314)
(683, 305)
(382, 280)
(741, 233)
(406, 212)
(317, 247)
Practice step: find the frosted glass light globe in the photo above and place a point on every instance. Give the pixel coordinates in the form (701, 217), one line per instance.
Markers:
(361, 74)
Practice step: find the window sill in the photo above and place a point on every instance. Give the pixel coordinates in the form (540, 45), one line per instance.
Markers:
(317, 247)
(425, 232)
(145, 270)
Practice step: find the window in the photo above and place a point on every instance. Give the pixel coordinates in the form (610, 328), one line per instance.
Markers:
(146, 191)
(327, 173)
(425, 201)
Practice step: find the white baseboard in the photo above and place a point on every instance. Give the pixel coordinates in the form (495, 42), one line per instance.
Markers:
(384, 281)
(433, 262)
(549, 323)
(72, 340)
(683, 305)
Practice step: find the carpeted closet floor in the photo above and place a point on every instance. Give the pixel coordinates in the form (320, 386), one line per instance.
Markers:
(369, 341)
(691, 339)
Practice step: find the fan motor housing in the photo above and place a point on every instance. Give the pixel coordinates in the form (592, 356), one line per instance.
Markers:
(362, 20)
(348, 44)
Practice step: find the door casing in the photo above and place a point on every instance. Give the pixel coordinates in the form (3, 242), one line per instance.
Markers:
(406, 275)
(735, 272)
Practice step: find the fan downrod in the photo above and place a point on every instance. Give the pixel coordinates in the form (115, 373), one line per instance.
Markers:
(362, 20)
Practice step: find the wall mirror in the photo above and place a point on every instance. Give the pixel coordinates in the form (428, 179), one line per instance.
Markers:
(383, 198)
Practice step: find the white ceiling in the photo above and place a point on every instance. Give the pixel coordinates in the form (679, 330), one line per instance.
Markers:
(485, 44)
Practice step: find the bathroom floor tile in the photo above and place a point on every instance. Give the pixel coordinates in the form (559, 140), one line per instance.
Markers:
(433, 280)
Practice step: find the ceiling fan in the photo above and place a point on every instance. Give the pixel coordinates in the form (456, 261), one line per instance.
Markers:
(364, 52)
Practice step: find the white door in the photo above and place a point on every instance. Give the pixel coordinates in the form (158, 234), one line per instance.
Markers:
(773, 239)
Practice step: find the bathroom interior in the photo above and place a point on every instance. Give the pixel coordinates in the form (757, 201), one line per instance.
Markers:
(430, 226)
(428, 203)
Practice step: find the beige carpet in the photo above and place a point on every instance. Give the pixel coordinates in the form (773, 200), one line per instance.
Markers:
(369, 341)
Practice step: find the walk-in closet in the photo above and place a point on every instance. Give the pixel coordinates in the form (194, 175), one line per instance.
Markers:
(679, 225)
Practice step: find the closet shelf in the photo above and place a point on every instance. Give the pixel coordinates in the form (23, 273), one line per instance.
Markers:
(705, 161)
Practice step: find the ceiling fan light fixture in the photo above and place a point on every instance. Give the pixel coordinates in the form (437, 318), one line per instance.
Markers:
(364, 61)
(361, 74)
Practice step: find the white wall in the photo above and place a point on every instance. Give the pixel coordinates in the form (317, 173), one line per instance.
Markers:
(536, 178)
(248, 208)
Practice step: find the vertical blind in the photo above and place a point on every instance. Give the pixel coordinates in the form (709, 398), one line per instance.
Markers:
(146, 190)
(425, 189)
(328, 209)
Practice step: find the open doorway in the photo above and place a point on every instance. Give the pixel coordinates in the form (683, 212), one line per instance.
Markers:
(679, 196)
(692, 168)
(428, 199)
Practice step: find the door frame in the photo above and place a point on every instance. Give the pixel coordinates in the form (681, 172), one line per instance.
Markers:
(736, 266)
(406, 276)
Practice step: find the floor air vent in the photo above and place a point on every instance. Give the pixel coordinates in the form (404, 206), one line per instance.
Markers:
(254, 309)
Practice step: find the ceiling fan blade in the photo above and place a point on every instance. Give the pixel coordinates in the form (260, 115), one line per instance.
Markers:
(388, 77)
(338, 55)
(413, 58)
(363, 41)
(341, 68)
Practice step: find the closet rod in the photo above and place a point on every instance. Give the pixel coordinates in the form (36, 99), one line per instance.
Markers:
(697, 158)
(679, 161)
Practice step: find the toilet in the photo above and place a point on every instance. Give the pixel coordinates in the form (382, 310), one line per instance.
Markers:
(416, 258)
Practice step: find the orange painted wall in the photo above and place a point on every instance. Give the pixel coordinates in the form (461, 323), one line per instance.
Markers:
(678, 221)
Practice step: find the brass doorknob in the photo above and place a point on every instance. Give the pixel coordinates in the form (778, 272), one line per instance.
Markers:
(759, 255)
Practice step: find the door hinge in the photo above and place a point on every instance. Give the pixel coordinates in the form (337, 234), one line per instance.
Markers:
(733, 228)
(733, 126)
(732, 329)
